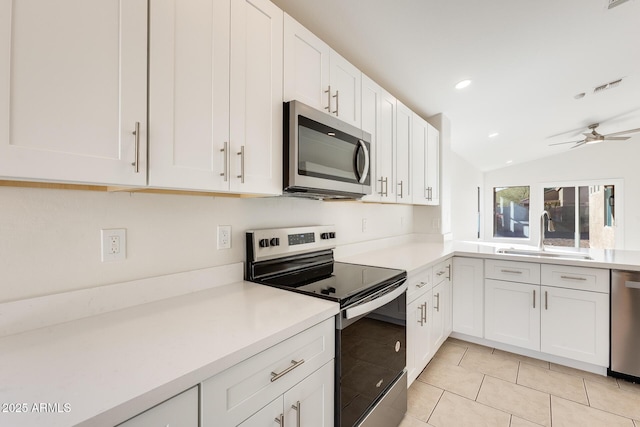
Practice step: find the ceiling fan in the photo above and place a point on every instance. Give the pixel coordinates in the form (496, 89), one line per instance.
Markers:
(594, 137)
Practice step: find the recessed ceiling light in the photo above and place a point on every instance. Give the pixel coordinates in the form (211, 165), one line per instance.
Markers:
(493, 135)
(463, 84)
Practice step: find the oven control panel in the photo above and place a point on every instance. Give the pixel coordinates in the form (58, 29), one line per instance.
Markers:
(278, 242)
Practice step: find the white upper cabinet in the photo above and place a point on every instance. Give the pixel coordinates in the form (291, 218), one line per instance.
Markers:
(216, 96)
(189, 94)
(403, 153)
(73, 79)
(371, 94)
(256, 97)
(425, 162)
(386, 148)
(318, 76)
(306, 66)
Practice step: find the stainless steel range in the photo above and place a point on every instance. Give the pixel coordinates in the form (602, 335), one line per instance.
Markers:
(371, 379)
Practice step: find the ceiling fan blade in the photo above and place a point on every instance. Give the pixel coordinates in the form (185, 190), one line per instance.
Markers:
(579, 144)
(567, 142)
(623, 132)
(616, 138)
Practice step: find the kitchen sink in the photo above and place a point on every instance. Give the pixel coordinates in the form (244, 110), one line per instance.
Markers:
(543, 253)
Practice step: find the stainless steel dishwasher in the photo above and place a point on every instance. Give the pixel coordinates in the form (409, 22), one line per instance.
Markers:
(625, 324)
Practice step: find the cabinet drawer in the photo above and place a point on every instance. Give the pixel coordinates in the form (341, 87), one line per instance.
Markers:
(419, 284)
(179, 411)
(522, 272)
(229, 397)
(442, 271)
(581, 278)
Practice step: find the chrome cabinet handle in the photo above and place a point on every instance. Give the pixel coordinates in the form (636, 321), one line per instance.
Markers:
(401, 184)
(136, 161)
(241, 154)
(363, 176)
(280, 420)
(275, 376)
(440, 273)
(437, 307)
(448, 267)
(424, 314)
(328, 92)
(421, 284)
(386, 186)
(225, 152)
(337, 103)
(573, 278)
(534, 298)
(298, 410)
(381, 192)
(546, 300)
(511, 271)
(421, 320)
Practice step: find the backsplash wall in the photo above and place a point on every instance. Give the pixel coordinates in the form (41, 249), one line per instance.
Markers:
(50, 239)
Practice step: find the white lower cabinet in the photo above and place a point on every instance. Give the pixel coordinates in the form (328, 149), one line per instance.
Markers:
(179, 411)
(575, 324)
(512, 313)
(468, 296)
(428, 316)
(299, 369)
(569, 319)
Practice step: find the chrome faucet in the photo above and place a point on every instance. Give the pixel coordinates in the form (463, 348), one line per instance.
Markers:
(541, 242)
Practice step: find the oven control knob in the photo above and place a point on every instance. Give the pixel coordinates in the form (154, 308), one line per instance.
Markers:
(264, 243)
(275, 241)
(324, 236)
(332, 235)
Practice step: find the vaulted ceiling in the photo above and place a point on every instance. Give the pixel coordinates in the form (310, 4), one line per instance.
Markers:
(527, 61)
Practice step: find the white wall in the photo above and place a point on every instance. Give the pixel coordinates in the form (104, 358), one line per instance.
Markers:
(617, 160)
(50, 239)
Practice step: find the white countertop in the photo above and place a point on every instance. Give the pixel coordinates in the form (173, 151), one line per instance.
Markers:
(106, 367)
(412, 256)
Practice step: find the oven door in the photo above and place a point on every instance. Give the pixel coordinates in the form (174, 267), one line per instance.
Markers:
(371, 346)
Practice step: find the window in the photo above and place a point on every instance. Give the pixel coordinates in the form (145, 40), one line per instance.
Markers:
(581, 216)
(511, 212)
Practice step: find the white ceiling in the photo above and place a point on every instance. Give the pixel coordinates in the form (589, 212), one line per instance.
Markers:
(527, 60)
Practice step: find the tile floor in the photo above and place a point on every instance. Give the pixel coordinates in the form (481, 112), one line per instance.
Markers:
(467, 384)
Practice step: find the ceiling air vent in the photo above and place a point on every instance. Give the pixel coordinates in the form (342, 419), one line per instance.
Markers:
(614, 3)
(609, 85)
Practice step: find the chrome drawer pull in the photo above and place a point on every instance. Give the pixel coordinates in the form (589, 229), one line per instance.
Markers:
(275, 376)
(534, 298)
(421, 284)
(437, 307)
(546, 300)
(511, 271)
(280, 420)
(573, 278)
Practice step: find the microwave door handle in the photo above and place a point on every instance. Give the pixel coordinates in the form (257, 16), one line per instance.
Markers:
(363, 176)
(370, 306)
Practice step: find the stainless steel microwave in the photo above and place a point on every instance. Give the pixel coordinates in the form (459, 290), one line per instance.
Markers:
(324, 157)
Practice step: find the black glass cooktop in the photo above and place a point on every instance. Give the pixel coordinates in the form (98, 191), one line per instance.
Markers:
(336, 281)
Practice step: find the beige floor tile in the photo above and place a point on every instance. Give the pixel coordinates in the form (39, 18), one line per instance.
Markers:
(565, 413)
(450, 353)
(470, 345)
(520, 422)
(552, 382)
(532, 405)
(525, 359)
(616, 401)
(629, 386)
(409, 421)
(455, 379)
(456, 411)
(422, 398)
(583, 374)
(495, 365)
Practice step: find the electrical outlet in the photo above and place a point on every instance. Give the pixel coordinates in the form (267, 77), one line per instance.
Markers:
(114, 244)
(224, 237)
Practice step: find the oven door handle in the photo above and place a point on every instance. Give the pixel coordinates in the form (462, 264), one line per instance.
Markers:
(367, 307)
